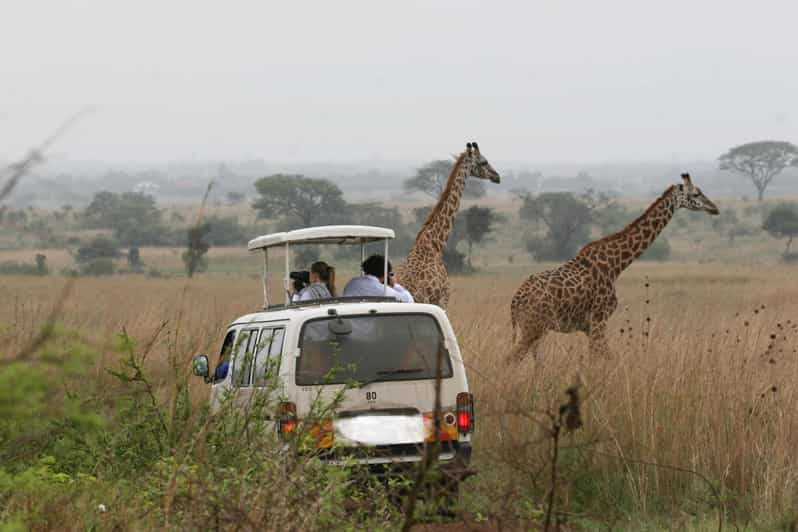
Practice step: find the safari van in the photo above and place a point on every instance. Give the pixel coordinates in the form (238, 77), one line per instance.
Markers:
(392, 351)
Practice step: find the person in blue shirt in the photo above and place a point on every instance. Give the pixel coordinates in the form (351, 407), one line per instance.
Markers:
(372, 282)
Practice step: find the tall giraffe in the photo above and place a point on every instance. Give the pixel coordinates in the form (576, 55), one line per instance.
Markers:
(580, 294)
(423, 273)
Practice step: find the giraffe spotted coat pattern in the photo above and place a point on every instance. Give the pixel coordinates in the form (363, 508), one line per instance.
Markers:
(580, 294)
(423, 273)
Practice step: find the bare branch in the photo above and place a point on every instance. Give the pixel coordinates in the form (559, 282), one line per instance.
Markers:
(36, 156)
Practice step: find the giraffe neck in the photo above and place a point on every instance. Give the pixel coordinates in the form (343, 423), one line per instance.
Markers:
(620, 250)
(436, 229)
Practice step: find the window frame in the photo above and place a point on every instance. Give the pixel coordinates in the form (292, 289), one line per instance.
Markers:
(448, 360)
(235, 361)
(273, 330)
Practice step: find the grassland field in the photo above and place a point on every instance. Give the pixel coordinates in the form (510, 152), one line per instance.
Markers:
(702, 378)
(692, 418)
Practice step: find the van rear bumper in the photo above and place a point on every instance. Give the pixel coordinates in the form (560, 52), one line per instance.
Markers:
(454, 457)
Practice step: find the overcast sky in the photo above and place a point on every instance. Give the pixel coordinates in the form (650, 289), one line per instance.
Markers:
(553, 80)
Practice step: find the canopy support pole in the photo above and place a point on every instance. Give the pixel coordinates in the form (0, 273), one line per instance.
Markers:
(265, 278)
(287, 279)
(385, 271)
(362, 255)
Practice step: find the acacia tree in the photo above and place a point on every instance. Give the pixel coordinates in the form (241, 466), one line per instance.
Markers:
(194, 257)
(479, 223)
(431, 180)
(295, 195)
(133, 216)
(567, 219)
(760, 161)
(782, 222)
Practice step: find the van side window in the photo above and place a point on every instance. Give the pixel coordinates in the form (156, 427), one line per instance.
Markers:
(267, 360)
(244, 352)
(222, 368)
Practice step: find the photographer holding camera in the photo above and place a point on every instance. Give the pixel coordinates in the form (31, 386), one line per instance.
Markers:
(318, 283)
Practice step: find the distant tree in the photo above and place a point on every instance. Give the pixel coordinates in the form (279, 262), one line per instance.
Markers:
(234, 197)
(782, 222)
(305, 198)
(100, 247)
(98, 267)
(41, 264)
(134, 217)
(17, 218)
(609, 215)
(728, 224)
(194, 257)
(431, 180)
(376, 214)
(567, 220)
(760, 161)
(100, 212)
(225, 231)
(479, 223)
(134, 258)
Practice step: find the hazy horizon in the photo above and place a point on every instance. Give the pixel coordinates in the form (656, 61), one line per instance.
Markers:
(621, 81)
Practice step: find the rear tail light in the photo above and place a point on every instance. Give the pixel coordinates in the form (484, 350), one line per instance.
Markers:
(465, 412)
(448, 428)
(287, 417)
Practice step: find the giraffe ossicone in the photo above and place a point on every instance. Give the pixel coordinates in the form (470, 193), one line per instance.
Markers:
(423, 272)
(580, 294)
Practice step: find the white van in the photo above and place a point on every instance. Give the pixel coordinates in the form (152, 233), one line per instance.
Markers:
(392, 350)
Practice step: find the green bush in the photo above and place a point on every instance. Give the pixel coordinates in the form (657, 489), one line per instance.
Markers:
(11, 267)
(98, 267)
(100, 247)
(154, 460)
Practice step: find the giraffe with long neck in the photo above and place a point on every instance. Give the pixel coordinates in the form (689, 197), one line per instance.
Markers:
(423, 272)
(580, 294)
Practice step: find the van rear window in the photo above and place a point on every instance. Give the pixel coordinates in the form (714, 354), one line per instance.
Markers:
(370, 348)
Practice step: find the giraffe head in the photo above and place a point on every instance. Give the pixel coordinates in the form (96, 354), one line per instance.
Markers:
(690, 197)
(474, 164)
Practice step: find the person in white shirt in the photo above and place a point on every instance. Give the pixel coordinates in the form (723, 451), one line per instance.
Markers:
(404, 293)
(371, 283)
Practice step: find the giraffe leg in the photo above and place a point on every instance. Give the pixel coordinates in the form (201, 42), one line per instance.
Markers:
(527, 342)
(443, 301)
(597, 334)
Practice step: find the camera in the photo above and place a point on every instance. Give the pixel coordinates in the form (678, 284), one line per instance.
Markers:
(302, 276)
(300, 279)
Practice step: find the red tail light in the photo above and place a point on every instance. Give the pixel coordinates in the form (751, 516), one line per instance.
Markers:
(465, 412)
(287, 417)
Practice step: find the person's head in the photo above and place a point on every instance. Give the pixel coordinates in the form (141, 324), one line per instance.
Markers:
(321, 272)
(375, 265)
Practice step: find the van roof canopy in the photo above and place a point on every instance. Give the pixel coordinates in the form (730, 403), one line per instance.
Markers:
(326, 234)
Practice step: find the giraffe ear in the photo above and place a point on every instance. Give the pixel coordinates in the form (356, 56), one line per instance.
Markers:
(688, 183)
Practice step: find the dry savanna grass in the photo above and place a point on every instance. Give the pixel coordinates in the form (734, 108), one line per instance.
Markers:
(702, 378)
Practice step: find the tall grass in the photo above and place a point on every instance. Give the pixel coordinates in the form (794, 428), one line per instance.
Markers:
(693, 415)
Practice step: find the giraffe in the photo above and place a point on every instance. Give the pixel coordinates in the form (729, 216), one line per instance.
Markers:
(423, 272)
(580, 294)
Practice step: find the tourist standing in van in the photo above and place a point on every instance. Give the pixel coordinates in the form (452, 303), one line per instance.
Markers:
(371, 283)
(322, 282)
